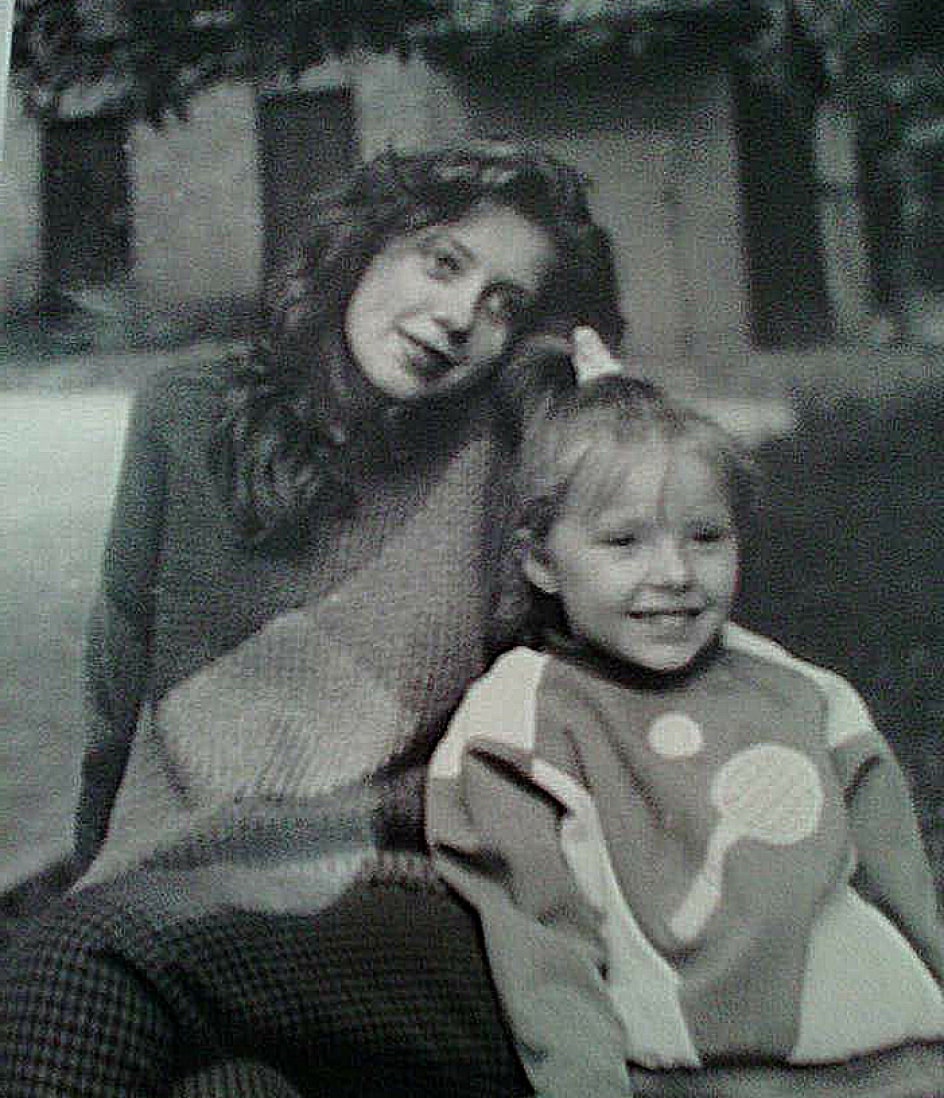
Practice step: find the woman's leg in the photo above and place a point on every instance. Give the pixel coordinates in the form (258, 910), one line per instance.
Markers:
(235, 1079)
(386, 990)
(76, 1019)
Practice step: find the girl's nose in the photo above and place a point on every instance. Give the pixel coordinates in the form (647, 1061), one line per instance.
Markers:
(670, 565)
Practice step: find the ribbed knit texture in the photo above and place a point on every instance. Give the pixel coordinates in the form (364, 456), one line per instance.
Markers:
(283, 676)
(250, 916)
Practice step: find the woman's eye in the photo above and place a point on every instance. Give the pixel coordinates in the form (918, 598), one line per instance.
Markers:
(442, 263)
(502, 306)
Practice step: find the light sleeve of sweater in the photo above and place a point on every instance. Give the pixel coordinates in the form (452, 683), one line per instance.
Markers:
(494, 837)
(117, 636)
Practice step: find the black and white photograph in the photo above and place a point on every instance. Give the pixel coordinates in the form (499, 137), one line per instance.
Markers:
(471, 549)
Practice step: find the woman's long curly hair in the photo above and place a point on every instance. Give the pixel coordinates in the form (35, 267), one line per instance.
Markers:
(275, 453)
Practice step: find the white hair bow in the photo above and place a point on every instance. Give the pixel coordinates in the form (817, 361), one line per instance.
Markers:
(592, 358)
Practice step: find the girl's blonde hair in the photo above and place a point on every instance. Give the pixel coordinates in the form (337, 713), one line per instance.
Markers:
(571, 451)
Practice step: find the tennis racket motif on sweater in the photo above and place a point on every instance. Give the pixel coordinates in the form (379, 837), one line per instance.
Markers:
(769, 793)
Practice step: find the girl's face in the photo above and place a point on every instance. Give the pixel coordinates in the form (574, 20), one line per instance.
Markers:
(648, 572)
(436, 309)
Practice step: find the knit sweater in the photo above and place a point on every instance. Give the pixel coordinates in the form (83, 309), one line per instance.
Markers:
(664, 867)
(220, 676)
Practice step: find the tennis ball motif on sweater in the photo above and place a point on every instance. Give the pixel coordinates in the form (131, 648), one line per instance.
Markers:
(769, 793)
(676, 736)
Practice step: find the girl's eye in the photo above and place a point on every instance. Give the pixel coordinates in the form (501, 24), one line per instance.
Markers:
(711, 534)
(624, 540)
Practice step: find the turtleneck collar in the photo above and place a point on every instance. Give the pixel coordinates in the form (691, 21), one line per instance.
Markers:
(602, 663)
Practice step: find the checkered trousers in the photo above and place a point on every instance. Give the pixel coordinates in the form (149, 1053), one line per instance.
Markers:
(385, 992)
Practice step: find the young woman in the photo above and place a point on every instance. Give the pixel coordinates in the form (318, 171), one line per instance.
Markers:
(295, 594)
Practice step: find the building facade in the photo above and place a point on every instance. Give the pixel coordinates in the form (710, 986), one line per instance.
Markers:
(705, 224)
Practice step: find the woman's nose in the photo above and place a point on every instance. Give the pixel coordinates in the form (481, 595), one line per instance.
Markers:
(455, 308)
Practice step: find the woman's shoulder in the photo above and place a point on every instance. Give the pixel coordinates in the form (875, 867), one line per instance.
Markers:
(184, 392)
(188, 376)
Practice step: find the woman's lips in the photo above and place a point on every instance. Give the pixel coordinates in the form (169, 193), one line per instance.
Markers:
(427, 358)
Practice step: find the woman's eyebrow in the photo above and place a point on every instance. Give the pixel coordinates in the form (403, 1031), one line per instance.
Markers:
(503, 282)
(454, 241)
(434, 233)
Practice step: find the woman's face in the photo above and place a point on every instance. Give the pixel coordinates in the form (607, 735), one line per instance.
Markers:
(437, 308)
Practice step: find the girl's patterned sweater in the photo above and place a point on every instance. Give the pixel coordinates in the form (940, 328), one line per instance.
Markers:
(719, 868)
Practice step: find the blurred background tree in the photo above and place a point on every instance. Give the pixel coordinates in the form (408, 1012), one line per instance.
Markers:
(155, 54)
(885, 61)
(146, 58)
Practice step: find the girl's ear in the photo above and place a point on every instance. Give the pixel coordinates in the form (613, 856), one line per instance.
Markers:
(537, 565)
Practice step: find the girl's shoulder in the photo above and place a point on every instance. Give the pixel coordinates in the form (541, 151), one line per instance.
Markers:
(847, 715)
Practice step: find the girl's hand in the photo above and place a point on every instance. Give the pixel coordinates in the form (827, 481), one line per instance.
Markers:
(591, 357)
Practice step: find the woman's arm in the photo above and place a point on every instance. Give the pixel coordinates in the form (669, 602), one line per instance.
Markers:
(118, 635)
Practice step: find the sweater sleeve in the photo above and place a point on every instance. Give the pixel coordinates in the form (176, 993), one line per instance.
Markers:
(494, 836)
(117, 639)
(893, 871)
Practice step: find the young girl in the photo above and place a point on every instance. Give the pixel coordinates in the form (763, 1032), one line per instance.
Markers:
(695, 859)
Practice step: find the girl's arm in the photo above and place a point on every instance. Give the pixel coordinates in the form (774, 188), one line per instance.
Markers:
(893, 871)
(117, 638)
(495, 838)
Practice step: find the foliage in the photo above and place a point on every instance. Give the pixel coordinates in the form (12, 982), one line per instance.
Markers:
(502, 36)
(147, 57)
(886, 57)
